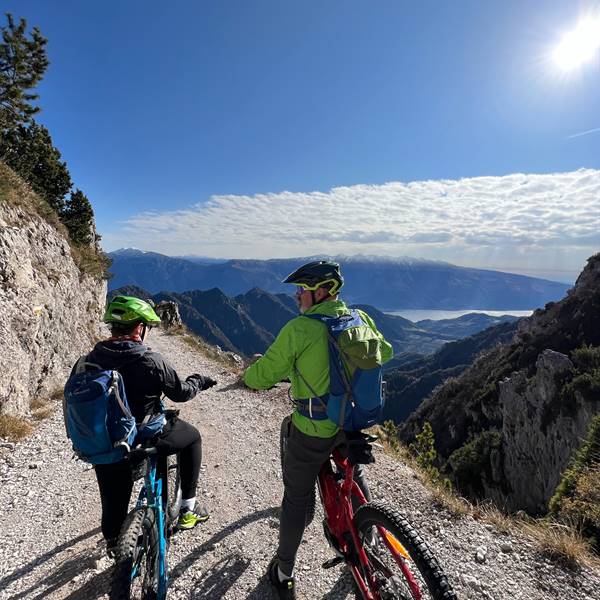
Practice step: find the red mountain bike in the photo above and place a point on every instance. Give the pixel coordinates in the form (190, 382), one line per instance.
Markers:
(386, 556)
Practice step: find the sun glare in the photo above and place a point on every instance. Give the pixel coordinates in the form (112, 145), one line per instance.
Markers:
(580, 45)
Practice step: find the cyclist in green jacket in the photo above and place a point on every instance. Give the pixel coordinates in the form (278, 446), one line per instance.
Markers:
(301, 354)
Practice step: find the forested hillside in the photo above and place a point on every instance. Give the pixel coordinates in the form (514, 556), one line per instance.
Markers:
(412, 381)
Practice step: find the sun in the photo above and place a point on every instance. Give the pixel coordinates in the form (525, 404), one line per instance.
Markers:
(578, 46)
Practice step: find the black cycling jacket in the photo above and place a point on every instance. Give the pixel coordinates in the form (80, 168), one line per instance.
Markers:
(146, 375)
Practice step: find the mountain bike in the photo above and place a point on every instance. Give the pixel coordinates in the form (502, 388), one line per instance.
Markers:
(387, 558)
(140, 571)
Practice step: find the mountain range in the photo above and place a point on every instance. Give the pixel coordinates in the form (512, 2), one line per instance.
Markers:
(248, 323)
(387, 283)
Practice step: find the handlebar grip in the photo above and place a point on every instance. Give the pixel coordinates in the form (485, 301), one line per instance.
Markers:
(140, 453)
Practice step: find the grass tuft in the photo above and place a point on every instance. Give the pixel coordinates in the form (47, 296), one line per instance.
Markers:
(561, 543)
(43, 412)
(487, 511)
(14, 428)
(43, 406)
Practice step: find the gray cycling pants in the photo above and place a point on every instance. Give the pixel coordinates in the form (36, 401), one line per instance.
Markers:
(303, 459)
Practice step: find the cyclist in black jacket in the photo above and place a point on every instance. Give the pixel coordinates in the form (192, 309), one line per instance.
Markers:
(146, 377)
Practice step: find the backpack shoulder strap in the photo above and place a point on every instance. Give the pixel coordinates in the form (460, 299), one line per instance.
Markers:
(82, 364)
(116, 376)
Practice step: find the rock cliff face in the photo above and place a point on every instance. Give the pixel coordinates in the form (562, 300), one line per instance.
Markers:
(50, 309)
(539, 433)
(507, 427)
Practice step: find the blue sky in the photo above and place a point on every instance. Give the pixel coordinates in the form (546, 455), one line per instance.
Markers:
(201, 113)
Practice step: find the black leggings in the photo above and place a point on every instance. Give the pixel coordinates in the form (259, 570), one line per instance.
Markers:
(115, 481)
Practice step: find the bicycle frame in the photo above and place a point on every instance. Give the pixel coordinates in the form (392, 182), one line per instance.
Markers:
(151, 497)
(336, 498)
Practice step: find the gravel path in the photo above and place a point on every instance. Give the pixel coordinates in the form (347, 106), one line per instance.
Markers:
(50, 540)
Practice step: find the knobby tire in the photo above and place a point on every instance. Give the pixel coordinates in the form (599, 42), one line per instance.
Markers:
(283, 437)
(138, 544)
(421, 566)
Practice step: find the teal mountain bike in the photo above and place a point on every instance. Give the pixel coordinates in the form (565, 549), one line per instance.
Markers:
(140, 571)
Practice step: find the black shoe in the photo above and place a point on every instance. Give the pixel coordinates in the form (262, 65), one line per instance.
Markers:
(286, 590)
(111, 548)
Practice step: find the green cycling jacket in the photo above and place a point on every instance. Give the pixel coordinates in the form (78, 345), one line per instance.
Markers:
(303, 341)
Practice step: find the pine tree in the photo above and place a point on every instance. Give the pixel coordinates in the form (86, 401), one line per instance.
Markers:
(389, 433)
(30, 152)
(23, 62)
(423, 448)
(78, 217)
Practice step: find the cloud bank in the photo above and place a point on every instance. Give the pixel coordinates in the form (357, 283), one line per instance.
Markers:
(527, 223)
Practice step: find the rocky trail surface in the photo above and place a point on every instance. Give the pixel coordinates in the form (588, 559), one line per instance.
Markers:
(50, 544)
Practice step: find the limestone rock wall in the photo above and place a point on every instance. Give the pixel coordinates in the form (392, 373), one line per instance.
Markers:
(49, 309)
(539, 434)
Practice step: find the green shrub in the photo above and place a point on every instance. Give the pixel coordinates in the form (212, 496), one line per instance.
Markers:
(586, 358)
(471, 462)
(577, 497)
(582, 507)
(389, 434)
(585, 378)
(587, 384)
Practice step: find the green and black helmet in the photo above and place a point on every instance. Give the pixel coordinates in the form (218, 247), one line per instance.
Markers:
(320, 273)
(128, 310)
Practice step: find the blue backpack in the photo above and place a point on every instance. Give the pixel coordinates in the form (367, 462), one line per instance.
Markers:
(97, 416)
(355, 400)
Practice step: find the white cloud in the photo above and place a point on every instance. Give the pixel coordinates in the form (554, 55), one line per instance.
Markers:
(521, 221)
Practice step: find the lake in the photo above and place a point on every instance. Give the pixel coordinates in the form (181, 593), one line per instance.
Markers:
(415, 315)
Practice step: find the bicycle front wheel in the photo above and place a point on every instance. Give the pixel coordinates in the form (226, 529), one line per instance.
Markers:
(400, 564)
(135, 575)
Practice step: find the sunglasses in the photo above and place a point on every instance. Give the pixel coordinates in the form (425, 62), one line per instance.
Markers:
(303, 287)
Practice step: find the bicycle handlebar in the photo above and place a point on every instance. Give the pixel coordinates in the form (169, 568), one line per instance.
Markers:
(139, 452)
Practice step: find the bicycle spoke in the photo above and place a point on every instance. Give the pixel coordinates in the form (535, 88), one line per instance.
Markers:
(385, 553)
(400, 565)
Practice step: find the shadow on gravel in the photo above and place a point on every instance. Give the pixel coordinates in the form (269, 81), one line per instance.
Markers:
(342, 588)
(63, 574)
(189, 560)
(238, 384)
(221, 577)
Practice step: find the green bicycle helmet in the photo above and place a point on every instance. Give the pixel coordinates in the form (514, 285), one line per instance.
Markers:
(128, 310)
(316, 274)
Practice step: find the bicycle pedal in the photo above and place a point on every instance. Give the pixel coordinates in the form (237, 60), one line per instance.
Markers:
(332, 562)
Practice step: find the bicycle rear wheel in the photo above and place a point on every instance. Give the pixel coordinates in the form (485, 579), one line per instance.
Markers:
(135, 575)
(400, 562)
(283, 438)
